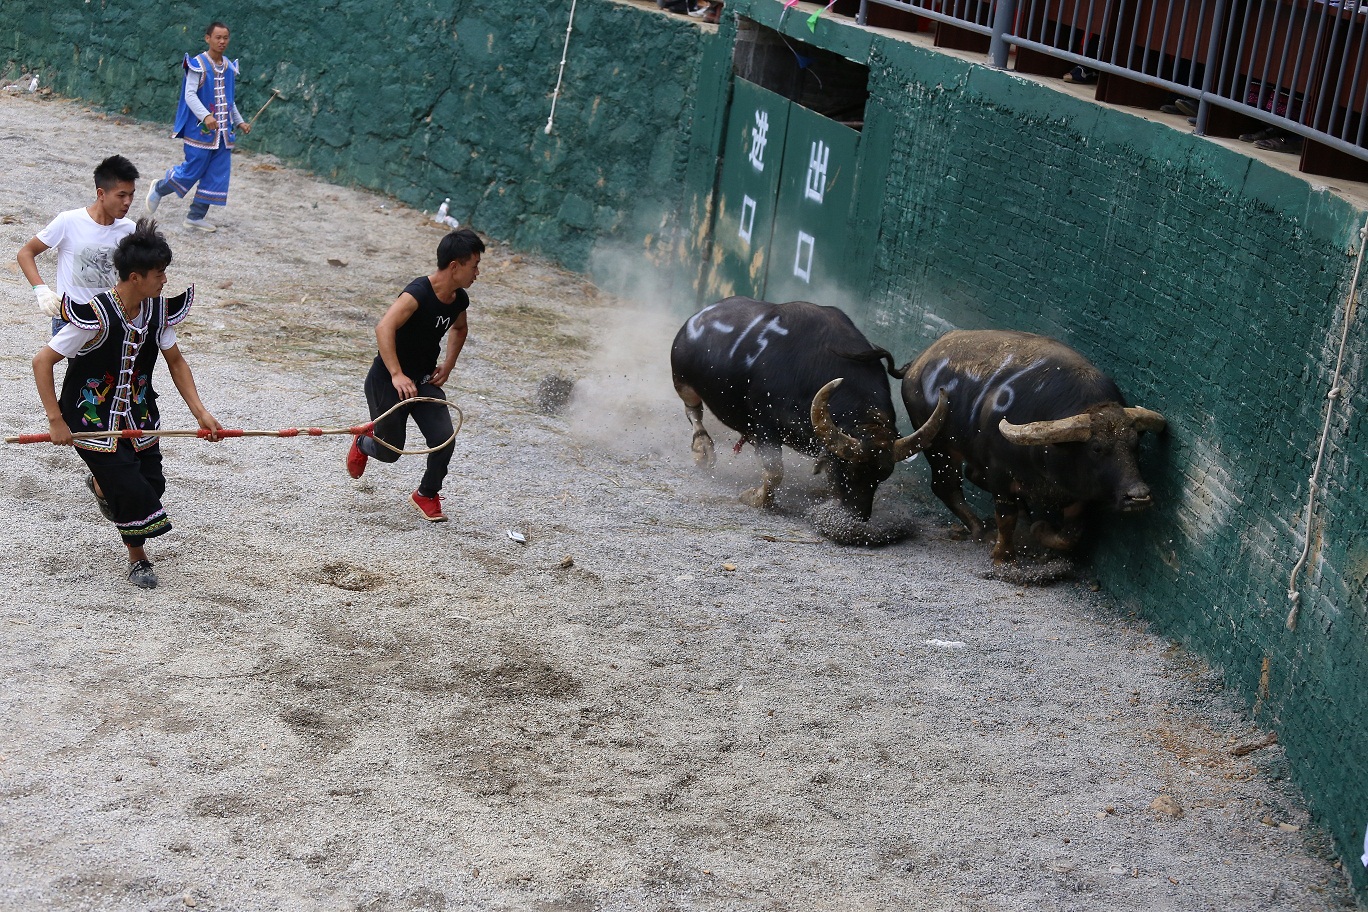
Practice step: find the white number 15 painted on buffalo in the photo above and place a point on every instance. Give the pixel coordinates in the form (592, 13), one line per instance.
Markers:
(698, 325)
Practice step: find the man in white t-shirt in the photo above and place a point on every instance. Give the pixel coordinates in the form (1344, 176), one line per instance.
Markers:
(84, 240)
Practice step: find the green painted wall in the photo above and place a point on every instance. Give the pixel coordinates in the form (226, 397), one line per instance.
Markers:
(1212, 287)
(1209, 285)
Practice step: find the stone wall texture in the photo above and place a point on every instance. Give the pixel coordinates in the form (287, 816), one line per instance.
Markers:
(1211, 286)
(421, 100)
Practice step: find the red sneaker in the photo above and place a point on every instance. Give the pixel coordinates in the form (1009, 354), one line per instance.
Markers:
(356, 460)
(430, 507)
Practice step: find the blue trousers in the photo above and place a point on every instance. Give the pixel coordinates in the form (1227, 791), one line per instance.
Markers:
(207, 168)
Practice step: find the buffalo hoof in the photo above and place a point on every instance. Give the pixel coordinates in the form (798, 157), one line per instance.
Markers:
(703, 455)
(758, 498)
(1004, 550)
(1045, 534)
(960, 533)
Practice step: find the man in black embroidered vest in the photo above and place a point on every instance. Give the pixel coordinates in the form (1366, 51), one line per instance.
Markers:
(112, 342)
(409, 337)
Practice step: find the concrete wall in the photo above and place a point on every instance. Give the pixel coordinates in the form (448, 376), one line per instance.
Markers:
(1209, 285)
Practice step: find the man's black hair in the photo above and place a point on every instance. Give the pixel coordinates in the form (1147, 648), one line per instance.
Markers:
(216, 24)
(114, 170)
(142, 251)
(458, 246)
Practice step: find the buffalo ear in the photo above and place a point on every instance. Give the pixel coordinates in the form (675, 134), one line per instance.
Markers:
(1142, 419)
(1074, 429)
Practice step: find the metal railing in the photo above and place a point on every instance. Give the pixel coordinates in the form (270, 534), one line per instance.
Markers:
(1300, 66)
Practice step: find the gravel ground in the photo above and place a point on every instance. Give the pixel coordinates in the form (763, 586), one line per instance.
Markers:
(662, 700)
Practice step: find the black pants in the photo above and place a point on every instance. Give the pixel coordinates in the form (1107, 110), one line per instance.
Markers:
(133, 483)
(433, 420)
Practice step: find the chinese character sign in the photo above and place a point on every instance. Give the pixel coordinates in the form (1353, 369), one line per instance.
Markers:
(759, 139)
(817, 171)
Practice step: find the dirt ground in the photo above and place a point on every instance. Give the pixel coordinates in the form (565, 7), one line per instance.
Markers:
(662, 700)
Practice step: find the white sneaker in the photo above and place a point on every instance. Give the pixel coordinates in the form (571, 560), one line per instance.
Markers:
(199, 225)
(153, 198)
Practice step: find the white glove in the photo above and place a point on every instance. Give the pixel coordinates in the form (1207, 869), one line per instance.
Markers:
(48, 301)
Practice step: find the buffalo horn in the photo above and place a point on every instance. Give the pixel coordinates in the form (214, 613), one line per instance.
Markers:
(1074, 429)
(841, 444)
(918, 439)
(1145, 420)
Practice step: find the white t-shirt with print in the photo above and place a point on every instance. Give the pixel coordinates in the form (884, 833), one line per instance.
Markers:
(85, 252)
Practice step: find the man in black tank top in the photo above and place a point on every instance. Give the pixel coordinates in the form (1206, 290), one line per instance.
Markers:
(409, 337)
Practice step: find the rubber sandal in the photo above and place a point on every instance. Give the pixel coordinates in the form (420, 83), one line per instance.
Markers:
(100, 502)
(1081, 75)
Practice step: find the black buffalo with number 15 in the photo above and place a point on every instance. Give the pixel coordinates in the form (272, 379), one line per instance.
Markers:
(797, 375)
(1032, 422)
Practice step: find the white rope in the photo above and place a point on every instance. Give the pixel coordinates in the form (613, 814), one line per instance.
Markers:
(1349, 307)
(555, 96)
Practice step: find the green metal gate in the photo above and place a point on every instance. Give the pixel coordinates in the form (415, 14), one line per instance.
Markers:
(785, 194)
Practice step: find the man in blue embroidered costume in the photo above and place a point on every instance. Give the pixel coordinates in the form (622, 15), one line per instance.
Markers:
(409, 337)
(206, 120)
(84, 240)
(112, 343)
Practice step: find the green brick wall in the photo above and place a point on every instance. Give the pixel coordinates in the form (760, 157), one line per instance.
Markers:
(1212, 287)
(423, 99)
(1209, 285)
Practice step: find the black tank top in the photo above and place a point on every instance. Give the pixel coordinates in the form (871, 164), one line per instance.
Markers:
(419, 341)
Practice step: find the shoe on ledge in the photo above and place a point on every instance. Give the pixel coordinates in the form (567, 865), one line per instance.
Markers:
(1081, 75)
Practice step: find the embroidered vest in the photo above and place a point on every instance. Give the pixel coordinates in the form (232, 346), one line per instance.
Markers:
(108, 384)
(217, 93)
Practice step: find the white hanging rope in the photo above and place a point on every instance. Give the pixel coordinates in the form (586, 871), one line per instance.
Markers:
(1349, 307)
(555, 96)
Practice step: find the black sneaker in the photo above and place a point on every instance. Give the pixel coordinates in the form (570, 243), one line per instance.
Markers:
(1257, 135)
(141, 574)
(100, 502)
(1285, 143)
(1081, 75)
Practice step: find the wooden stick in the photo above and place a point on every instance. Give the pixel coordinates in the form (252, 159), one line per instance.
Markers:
(138, 434)
(251, 124)
(360, 430)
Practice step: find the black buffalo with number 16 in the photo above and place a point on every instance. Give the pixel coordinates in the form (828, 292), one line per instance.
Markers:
(1033, 422)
